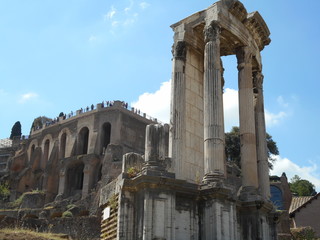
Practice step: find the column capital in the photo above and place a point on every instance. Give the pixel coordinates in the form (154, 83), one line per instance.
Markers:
(179, 50)
(258, 79)
(244, 56)
(212, 32)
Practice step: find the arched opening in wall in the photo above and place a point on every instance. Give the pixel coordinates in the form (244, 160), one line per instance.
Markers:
(100, 173)
(45, 154)
(39, 183)
(33, 147)
(74, 179)
(63, 142)
(230, 92)
(105, 136)
(83, 141)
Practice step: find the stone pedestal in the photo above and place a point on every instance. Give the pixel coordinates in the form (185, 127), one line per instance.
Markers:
(257, 221)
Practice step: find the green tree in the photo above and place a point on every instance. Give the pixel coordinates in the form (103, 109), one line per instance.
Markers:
(233, 147)
(16, 130)
(301, 187)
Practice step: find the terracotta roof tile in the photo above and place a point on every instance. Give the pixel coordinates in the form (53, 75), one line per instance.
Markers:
(298, 202)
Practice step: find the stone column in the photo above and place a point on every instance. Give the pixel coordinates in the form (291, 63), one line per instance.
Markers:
(262, 152)
(177, 105)
(247, 120)
(156, 149)
(214, 143)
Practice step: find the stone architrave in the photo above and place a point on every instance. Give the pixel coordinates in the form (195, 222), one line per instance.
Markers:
(179, 52)
(262, 153)
(247, 119)
(214, 143)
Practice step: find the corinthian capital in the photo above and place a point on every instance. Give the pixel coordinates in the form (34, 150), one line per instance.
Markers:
(212, 32)
(179, 50)
(244, 56)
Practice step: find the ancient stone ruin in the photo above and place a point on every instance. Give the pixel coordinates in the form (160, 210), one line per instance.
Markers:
(183, 187)
(61, 166)
(144, 180)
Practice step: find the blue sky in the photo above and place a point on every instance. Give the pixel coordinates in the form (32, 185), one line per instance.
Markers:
(58, 56)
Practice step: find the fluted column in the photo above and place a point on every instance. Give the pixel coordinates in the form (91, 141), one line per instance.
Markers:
(213, 106)
(177, 105)
(247, 119)
(262, 152)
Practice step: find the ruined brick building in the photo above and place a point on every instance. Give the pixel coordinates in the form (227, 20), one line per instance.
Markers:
(70, 155)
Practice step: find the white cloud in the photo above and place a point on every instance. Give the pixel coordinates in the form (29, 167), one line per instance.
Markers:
(273, 119)
(231, 108)
(144, 5)
(110, 14)
(151, 103)
(27, 96)
(127, 9)
(282, 102)
(309, 172)
(156, 104)
(115, 23)
(128, 21)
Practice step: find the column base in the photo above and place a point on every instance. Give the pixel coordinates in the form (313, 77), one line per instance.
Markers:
(156, 169)
(213, 177)
(249, 194)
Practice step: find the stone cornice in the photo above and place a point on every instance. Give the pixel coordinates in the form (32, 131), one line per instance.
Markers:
(239, 11)
(258, 28)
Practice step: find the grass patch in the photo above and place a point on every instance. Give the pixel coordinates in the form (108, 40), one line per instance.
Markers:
(67, 214)
(23, 234)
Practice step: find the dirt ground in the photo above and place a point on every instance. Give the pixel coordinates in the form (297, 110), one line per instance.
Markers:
(28, 235)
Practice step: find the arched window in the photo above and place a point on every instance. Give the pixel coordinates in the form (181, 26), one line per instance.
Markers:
(45, 154)
(63, 142)
(33, 147)
(83, 141)
(75, 178)
(105, 136)
(276, 197)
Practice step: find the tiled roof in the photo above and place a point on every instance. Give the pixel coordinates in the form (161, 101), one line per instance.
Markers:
(298, 202)
(4, 143)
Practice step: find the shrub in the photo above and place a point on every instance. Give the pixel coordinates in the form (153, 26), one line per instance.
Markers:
(69, 206)
(67, 214)
(4, 192)
(303, 233)
(132, 172)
